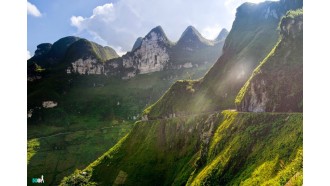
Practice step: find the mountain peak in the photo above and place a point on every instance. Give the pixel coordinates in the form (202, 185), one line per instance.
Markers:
(222, 35)
(157, 30)
(191, 34)
(157, 33)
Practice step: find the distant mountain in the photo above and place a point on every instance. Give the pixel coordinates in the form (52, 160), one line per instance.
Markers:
(192, 49)
(191, 37)
(150, 56)
(154, 52)
(222, 35)
(71, 55)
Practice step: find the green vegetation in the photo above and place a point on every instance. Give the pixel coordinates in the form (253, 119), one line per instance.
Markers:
(38, 68)
(161, 106)
(253, 149)
(84, 48)
(58, 155)
(230, 148)
(87, 105)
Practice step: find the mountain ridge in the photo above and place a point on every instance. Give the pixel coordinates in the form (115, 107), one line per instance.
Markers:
(154, 52)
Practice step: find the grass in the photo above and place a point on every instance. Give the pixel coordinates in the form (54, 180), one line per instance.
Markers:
(58, 156)
(239, 148)
(82, 112)
(253, 149)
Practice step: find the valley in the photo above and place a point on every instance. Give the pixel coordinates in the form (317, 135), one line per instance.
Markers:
(227, 111)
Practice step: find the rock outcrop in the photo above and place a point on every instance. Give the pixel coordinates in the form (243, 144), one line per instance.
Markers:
(152, 55)
(49, 104)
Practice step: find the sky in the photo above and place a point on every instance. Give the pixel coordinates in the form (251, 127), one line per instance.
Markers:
(118, 23)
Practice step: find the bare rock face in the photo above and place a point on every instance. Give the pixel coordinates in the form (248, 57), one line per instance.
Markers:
(150, 57)
(86, 66)
(187, 65)
(49, 104)
(258, 98)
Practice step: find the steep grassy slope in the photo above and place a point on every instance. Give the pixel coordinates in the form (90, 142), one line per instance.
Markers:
(254, 149)
(277, 83)
(226, 148)
(254, 33)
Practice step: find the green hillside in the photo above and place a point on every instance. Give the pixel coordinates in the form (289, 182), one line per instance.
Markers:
(226, 148)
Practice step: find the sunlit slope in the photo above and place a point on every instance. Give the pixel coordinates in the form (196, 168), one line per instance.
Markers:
(254, 33)
(277, 83)
(228, 148)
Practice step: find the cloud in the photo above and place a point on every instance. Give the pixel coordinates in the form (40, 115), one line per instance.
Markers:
(119, 24)
(33, 10)
(28, 54)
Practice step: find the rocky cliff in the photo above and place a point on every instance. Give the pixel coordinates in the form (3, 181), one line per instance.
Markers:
(152, 55)
(277, 83)
(87, 57)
